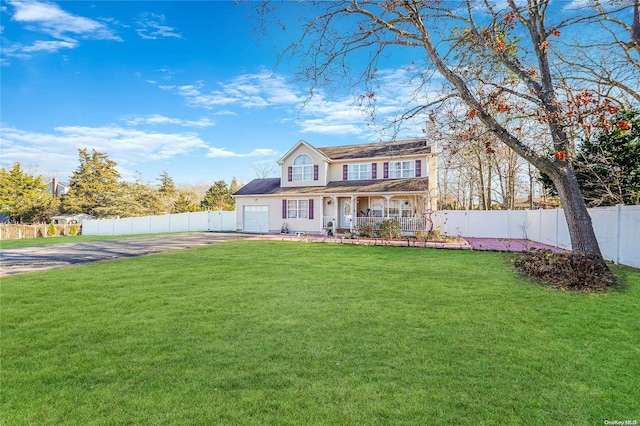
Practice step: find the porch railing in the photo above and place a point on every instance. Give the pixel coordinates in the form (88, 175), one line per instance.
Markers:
(409, 224)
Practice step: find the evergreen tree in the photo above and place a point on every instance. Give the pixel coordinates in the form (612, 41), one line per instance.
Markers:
(218, 197)
(607, 165)
(167, 191)
(23, 197)
(186, 201)
(235, 186)
(92, 184)
(167, 185)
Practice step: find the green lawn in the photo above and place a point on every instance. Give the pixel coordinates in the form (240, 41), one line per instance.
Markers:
(259, 332)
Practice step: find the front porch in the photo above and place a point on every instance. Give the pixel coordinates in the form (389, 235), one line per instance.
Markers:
(345, 214)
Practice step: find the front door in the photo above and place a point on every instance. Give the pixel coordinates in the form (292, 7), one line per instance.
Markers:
(345, 213)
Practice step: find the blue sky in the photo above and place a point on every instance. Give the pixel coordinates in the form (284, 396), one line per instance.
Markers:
(186, 87)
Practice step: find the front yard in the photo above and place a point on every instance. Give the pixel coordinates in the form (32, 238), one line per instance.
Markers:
(264, 332)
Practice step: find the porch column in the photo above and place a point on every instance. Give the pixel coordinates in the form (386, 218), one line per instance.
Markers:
(334, 219)
(386, 206)
(354, 210)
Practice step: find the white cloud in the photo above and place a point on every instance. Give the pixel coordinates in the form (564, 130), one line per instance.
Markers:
(49, 19)
(263, 89)
(225, 153)
(151, 27)
(161, 119)
(398, 91)
(50, 46)
(125, 146)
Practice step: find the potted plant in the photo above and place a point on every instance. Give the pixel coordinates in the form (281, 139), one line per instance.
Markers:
(330, 229)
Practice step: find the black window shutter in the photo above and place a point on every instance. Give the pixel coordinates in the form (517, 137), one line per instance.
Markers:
(315, 172)
(290, 174)
(374, 170)
(284, 209)
(345, 172)
(418, 168)
(310, 209)
(386, 170)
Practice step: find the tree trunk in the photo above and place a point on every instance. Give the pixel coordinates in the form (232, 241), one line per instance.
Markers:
(583, 237)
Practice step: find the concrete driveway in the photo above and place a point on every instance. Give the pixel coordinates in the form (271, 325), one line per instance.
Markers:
(28, 259)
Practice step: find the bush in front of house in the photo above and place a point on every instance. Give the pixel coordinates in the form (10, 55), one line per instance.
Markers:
(366, 230)
(51, 230)
(390, 229)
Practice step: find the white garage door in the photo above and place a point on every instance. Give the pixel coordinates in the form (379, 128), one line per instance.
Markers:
(256, 219)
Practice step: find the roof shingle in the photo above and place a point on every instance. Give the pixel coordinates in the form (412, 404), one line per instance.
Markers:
(380, 149)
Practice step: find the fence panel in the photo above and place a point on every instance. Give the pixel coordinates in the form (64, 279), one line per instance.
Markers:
(605, 224)
(140, 225)
(199, 221)
(628, 250)
(159, 224)
(90, 227)
(221, 221)
(122, 226)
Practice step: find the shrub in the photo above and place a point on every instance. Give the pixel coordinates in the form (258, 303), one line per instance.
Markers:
(422, 235)
(366, 230)
(51, 230)
(390, 229)
(73, 231)
(435, 234)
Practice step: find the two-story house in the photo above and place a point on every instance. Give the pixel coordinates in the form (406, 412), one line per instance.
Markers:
(337, 188)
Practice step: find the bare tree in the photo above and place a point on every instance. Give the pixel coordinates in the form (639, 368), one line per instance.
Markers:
(484, 52)
(264, 169)
(612, 65)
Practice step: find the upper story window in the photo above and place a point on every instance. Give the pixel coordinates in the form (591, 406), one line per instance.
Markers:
(302, 169)
(402, 169)
(359, 171)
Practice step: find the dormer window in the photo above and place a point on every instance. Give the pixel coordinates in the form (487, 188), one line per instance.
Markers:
(302, 169)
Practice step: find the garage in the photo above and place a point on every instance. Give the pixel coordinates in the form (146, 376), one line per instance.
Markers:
(255, 219)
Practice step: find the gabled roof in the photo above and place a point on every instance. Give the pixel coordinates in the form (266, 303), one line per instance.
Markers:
(271, 186)
(379, 149)
(303, 143)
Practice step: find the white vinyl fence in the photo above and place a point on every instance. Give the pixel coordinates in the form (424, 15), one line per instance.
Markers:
(181, 222)
(617, 228)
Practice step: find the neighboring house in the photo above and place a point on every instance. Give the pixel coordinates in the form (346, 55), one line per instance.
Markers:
(69, 219)
(57, 189)
(337, 188)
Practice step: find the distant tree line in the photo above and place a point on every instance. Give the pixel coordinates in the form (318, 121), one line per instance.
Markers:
(96, 188)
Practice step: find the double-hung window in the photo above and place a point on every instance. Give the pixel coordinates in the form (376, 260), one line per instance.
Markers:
(359, 171)
(297, 209)
(402, 169)
(302, 169)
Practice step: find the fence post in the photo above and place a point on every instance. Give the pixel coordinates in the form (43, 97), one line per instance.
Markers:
(618, 236)
(539, 225)
(556, 242)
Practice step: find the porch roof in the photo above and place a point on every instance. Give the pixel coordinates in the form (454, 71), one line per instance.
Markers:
(271, 186)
